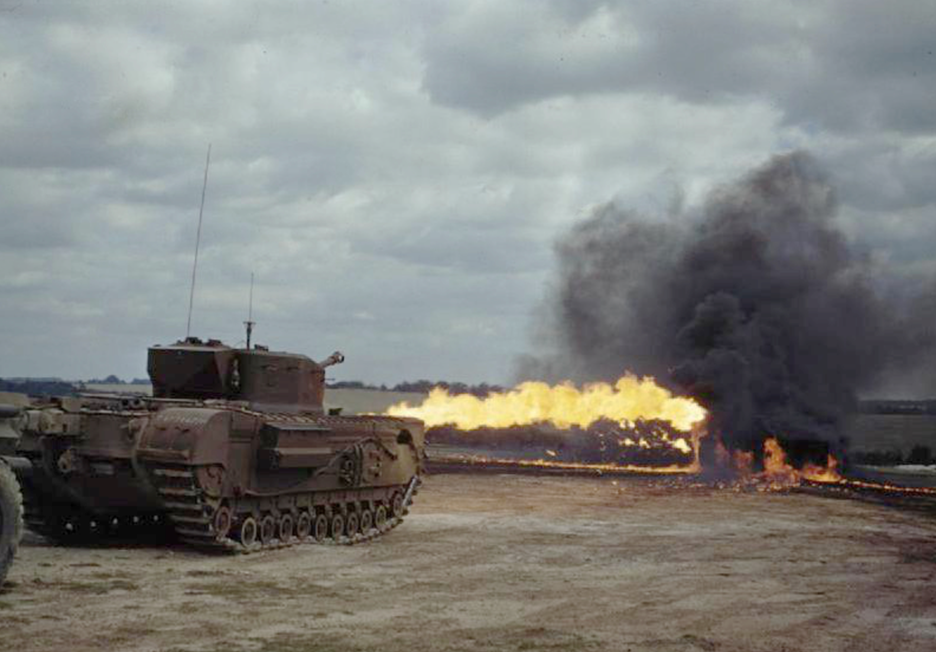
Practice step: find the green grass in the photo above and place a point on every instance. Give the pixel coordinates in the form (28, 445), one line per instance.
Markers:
(105, 585)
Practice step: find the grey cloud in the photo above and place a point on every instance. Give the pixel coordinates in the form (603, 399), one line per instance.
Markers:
(843, 65)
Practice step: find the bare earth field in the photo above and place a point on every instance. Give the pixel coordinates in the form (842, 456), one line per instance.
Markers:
(495, 562)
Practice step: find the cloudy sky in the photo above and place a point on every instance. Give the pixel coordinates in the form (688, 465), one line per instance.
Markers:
(395, 173)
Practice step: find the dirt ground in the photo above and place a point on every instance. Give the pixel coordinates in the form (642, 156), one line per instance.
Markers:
(497, 562)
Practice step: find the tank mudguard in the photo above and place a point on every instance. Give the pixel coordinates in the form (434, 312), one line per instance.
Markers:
(195, 436)
(10, 422)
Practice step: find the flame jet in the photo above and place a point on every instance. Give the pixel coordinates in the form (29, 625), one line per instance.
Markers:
(628, 400)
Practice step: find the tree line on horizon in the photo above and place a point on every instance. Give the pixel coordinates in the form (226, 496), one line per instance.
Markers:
(59, 387)
(421, 387)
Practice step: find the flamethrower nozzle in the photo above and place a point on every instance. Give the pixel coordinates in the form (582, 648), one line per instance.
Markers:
(335, 358)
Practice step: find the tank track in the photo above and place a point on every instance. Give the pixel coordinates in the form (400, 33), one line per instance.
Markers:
(190, 519)
(71, 524)
(218, 524)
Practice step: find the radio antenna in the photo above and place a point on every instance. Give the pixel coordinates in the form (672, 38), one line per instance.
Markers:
(201, 212)
(250, 323)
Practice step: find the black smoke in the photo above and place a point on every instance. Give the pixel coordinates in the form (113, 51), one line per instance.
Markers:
(756, 305)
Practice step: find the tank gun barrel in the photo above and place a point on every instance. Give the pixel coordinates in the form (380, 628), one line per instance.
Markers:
(335, 358)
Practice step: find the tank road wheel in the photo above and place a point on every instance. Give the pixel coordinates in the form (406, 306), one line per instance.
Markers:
(367, 520)
(248, 532)
(397, 505)
(267, 529)
(380, 518)
(286, 527)
(222, 522)
(337, 526)
(11, 519)
(352, 524)
(70, 526)
(96, 527)
(304, 526)
(320, 531)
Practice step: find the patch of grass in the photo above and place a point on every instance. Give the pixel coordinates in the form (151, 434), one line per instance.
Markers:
(283, 643)
(518, 639)
(114, 575)
(16, 620)
(526, 639)
(206, 573)
(242, 590)
(90, 588)
(236, 590)
(304, 643)
(540, 638)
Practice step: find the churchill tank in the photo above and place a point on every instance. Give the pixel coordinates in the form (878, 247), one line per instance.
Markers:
(234, 450)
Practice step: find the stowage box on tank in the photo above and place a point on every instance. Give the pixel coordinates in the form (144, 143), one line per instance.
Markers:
(233, 450)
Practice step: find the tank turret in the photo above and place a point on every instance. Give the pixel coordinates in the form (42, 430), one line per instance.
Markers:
(267, 381)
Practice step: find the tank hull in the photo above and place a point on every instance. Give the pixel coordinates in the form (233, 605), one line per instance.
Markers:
(216, 473)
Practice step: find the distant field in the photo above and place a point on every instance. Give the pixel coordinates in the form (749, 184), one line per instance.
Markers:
(357, 401)
(119, 388)
(900, 432)
(351, 401)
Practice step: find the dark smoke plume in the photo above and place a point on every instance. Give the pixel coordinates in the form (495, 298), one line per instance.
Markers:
(756, 306)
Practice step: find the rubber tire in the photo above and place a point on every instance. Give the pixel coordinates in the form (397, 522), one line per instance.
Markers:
(11, 518)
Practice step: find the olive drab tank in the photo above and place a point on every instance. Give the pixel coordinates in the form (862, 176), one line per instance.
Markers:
(234, 450)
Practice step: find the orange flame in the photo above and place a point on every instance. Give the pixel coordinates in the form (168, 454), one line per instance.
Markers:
(598, 468)
(778, 473)
(564, 405)
(816, 473)
(782, 475)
